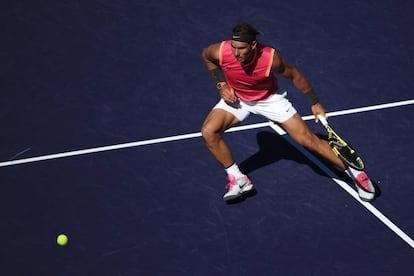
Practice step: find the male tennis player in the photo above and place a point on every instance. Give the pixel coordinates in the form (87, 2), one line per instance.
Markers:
(243, 70)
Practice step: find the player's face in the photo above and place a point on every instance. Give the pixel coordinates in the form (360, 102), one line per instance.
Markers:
(243, 51)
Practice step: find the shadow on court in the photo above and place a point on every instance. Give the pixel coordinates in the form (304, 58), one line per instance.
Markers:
(274, 148)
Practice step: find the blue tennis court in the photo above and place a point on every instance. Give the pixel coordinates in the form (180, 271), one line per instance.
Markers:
(102, 106)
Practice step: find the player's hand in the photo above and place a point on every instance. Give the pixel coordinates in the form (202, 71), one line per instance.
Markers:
(227, 94)
(318, 109)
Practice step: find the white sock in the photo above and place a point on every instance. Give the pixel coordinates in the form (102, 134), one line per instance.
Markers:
(234, 170)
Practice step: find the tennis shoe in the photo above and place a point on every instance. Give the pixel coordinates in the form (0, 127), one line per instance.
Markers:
(237, 187)
(365, 188)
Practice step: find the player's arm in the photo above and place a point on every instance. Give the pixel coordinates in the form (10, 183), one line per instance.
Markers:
(211, 58)
(281, 67)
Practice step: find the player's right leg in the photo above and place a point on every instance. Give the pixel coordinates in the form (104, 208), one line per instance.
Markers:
(216, 123)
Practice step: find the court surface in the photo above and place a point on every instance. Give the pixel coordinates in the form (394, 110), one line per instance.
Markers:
(101, 110)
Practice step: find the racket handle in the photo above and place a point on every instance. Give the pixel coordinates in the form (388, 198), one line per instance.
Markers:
(322, 119)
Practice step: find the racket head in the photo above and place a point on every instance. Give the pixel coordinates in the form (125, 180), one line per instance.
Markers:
(345, 152)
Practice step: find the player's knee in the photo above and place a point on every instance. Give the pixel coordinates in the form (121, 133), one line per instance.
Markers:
(208, 132)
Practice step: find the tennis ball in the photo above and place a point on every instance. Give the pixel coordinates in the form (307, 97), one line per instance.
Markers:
(62, 239)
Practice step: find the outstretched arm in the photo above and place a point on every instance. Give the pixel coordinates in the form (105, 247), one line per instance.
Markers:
(282, 67)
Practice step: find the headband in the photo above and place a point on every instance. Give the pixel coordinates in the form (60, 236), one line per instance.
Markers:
(248, 38)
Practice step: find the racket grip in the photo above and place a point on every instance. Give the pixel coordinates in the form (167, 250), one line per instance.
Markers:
(322, 119)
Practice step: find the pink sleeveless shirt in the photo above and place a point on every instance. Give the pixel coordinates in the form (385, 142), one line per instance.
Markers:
(253, 81)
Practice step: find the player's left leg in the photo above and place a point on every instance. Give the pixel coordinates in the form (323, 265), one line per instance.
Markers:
(299, 131)
(279, 109)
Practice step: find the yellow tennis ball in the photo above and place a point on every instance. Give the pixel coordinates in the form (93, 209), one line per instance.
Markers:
(62, 239)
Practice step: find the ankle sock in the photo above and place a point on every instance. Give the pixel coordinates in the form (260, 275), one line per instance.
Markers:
(234, 170)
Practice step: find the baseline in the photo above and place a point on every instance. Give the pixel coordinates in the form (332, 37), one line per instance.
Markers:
(190, 135)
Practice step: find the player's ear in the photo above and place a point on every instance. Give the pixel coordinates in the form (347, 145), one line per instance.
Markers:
(254, 44)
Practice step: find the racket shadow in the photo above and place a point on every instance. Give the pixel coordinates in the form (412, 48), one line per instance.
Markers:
(274, 148)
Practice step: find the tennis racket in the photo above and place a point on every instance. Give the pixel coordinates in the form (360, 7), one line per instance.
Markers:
(341, 148)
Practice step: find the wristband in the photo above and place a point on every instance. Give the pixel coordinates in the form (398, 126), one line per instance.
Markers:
(217, 75)
(312, 97)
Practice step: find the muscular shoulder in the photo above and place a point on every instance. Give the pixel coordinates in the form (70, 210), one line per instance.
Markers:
(212, 52)
(278, 64)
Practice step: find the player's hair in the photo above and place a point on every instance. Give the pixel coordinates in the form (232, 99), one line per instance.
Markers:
(244, 32)
(244, 28)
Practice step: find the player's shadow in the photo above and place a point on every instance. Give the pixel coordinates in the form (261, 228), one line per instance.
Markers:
(274, 148)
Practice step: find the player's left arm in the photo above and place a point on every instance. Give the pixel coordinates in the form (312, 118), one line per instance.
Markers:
(281, 67)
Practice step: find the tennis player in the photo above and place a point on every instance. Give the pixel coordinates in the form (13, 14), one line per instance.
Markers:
(244, 72)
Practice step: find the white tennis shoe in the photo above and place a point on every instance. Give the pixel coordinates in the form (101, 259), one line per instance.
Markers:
(365, 188)
(237, 187)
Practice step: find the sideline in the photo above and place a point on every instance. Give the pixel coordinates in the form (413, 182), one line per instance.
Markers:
(345, 186)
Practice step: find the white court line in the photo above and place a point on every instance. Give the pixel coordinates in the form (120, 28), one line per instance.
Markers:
(345, 186)
(188, 136)
(352, 192)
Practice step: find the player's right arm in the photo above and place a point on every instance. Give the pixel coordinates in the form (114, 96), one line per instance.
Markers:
(211, 55)
(211, 58)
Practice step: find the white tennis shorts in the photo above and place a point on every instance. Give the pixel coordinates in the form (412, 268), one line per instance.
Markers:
(276, 108)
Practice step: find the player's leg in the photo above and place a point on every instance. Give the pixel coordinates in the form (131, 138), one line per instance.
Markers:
(218, 121)
(300, 132)
(221, 118)
(279, 109)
